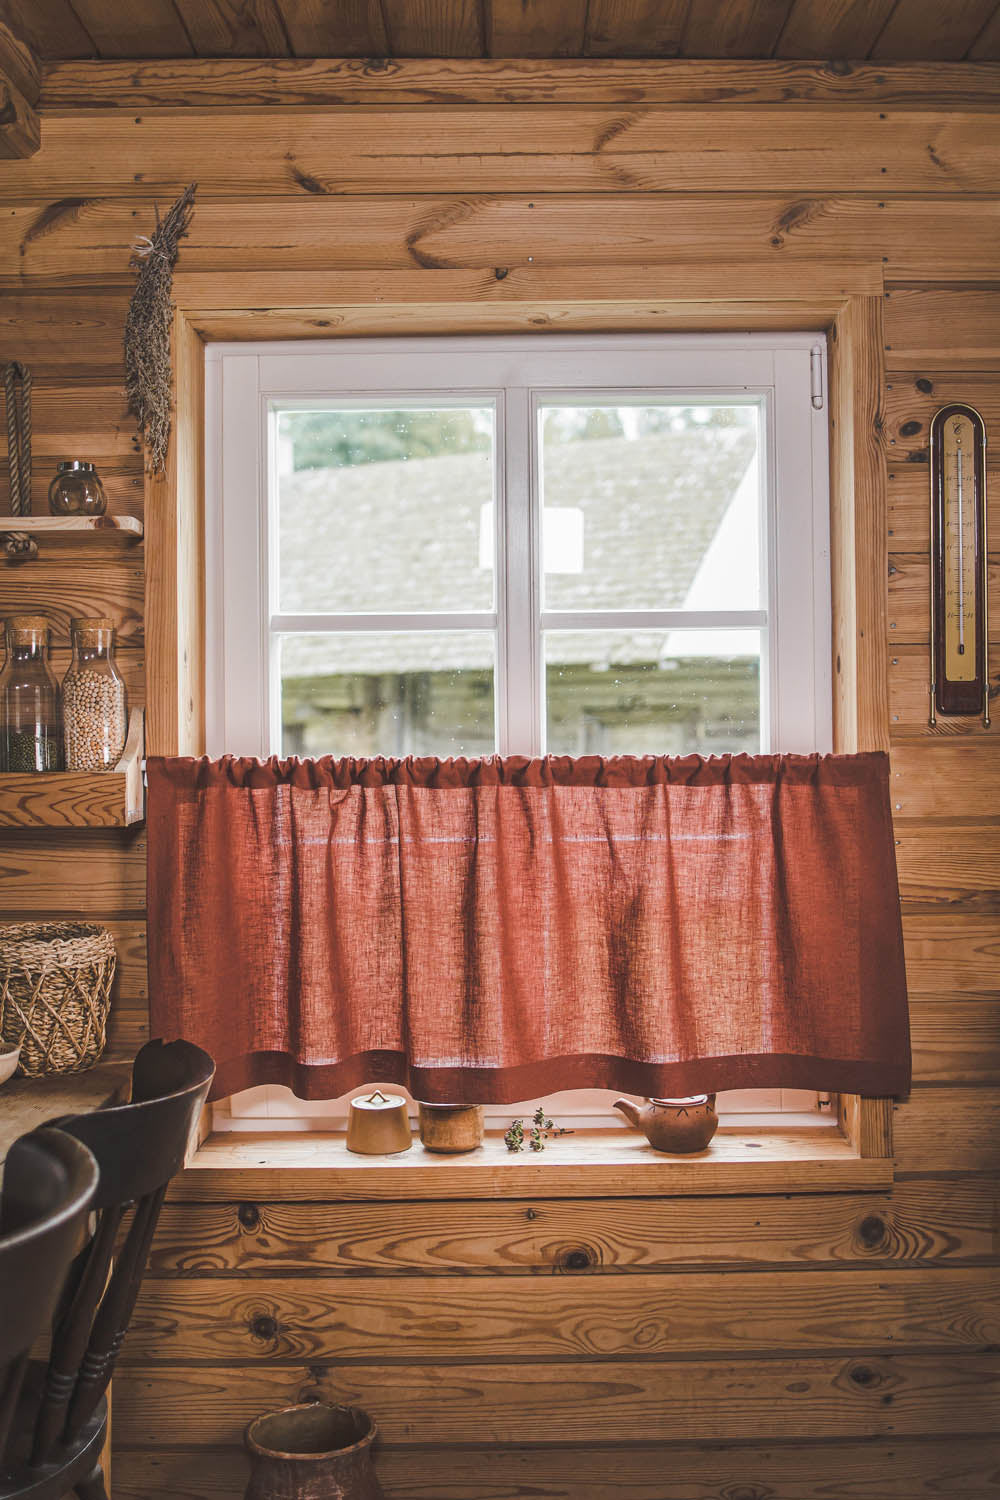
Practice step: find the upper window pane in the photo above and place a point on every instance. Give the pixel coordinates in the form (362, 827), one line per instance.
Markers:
(652, 506)
(381, 510)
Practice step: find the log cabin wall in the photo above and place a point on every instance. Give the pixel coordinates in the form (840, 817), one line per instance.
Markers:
(795, 1347)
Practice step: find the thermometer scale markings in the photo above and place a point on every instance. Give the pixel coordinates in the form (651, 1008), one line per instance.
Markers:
(960, 573)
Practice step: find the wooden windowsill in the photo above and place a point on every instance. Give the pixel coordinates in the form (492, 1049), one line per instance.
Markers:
(589, 1163)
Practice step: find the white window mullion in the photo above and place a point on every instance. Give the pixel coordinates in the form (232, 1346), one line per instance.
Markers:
(517, 584)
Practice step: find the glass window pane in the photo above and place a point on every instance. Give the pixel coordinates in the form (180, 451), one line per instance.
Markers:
(427, 692)
(652, 692)
(383, 510)
(651, 507)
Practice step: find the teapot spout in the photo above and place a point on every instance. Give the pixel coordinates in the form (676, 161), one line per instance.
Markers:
(628, 1109)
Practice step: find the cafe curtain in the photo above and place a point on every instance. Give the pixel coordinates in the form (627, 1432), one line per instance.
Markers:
(492, 930)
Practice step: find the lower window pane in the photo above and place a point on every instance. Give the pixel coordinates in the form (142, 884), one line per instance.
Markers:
(652, 692)
(427, 692)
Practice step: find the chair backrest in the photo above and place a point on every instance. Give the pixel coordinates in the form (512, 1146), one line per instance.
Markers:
(49, 1183)
(138, 1146)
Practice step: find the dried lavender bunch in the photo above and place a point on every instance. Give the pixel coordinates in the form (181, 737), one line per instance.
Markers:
(148, 382)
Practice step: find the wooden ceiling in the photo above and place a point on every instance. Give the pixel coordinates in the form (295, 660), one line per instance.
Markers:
(933, 30)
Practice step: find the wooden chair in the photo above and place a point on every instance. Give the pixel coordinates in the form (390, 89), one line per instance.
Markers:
(62, 1420)
(49, 1183)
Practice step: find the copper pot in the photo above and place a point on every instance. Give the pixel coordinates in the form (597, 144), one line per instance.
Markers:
(379, 1125)
(312, 1452)
(451, 1127)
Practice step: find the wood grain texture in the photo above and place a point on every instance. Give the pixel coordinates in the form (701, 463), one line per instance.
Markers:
(957, 954)
(683, 1400)
(363, 74)
(942, 327)
(316, 1165)
(948, 868)
(88, 873)
(243, 28)
(945, 779)
(927, 1221)
(360, 32)
(887, 1469)
(635, 28)
(529, 149)
(909, 591)
(51, 28)
(536, 28)
(644, 1317)
(152, 29)
(552, 232)
(916, 29)
(735, 28)
(948, 1130)
(20, 130)
(833, 28)
(433, 28)
(956, 1041)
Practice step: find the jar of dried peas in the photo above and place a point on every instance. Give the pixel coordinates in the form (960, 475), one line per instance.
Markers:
(95, 711)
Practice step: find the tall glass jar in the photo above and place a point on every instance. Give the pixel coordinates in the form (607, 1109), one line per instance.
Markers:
(30, 717)
(94, 705)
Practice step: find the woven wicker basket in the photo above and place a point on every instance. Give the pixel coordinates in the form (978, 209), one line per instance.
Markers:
(55, 993)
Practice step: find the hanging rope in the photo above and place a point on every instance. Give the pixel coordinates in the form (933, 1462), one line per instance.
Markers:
(17, 399)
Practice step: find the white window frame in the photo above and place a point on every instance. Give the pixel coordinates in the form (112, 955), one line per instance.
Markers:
(244, 380)
(786, 371)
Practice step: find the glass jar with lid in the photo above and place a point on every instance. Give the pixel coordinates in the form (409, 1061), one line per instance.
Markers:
(77, 490)
(30, 717)
(95, 710)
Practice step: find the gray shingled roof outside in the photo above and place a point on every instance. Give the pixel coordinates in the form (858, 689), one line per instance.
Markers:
(365, 539)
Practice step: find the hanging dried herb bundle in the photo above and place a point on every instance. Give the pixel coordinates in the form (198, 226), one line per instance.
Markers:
(147, 328)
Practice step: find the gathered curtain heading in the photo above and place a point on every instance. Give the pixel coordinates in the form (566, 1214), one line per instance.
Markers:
(486, 931)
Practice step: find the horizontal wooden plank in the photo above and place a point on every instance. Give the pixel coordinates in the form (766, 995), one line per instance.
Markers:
(912, 399)
(690, 1400)
(945, 954)
(947, 1130)
(956, 1041)
(97, 582)
(887, 1469)
(61, 333)
(87, 873)
(949, 868)
(284, 321)
(377, 232)
(594, 1163)
(79, 421)
(243, 83)
(948, 327)
(909, 699)
(65, 799)
(295, 1320)
(121, 477)
(946, 779)
(909, 597)
(269, 152)
(933, 1221)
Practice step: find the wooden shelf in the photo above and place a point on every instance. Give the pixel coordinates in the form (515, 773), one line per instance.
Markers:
(79, 799)
(63, 529)
(616, 1163)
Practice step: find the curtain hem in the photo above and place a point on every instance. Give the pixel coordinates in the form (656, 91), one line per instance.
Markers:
(469, 1085)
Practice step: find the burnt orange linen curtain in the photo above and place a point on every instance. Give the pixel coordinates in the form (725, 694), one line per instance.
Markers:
(491, 930)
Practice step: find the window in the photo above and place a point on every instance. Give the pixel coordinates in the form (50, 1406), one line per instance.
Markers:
(553, 544)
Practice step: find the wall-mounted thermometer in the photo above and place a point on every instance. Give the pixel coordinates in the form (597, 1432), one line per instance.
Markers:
(959, 677)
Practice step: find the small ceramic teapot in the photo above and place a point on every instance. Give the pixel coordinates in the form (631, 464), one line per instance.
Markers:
(676, 1125)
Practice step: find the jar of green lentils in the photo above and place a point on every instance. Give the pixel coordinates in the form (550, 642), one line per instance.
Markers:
(30, 714)
(94, 706)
